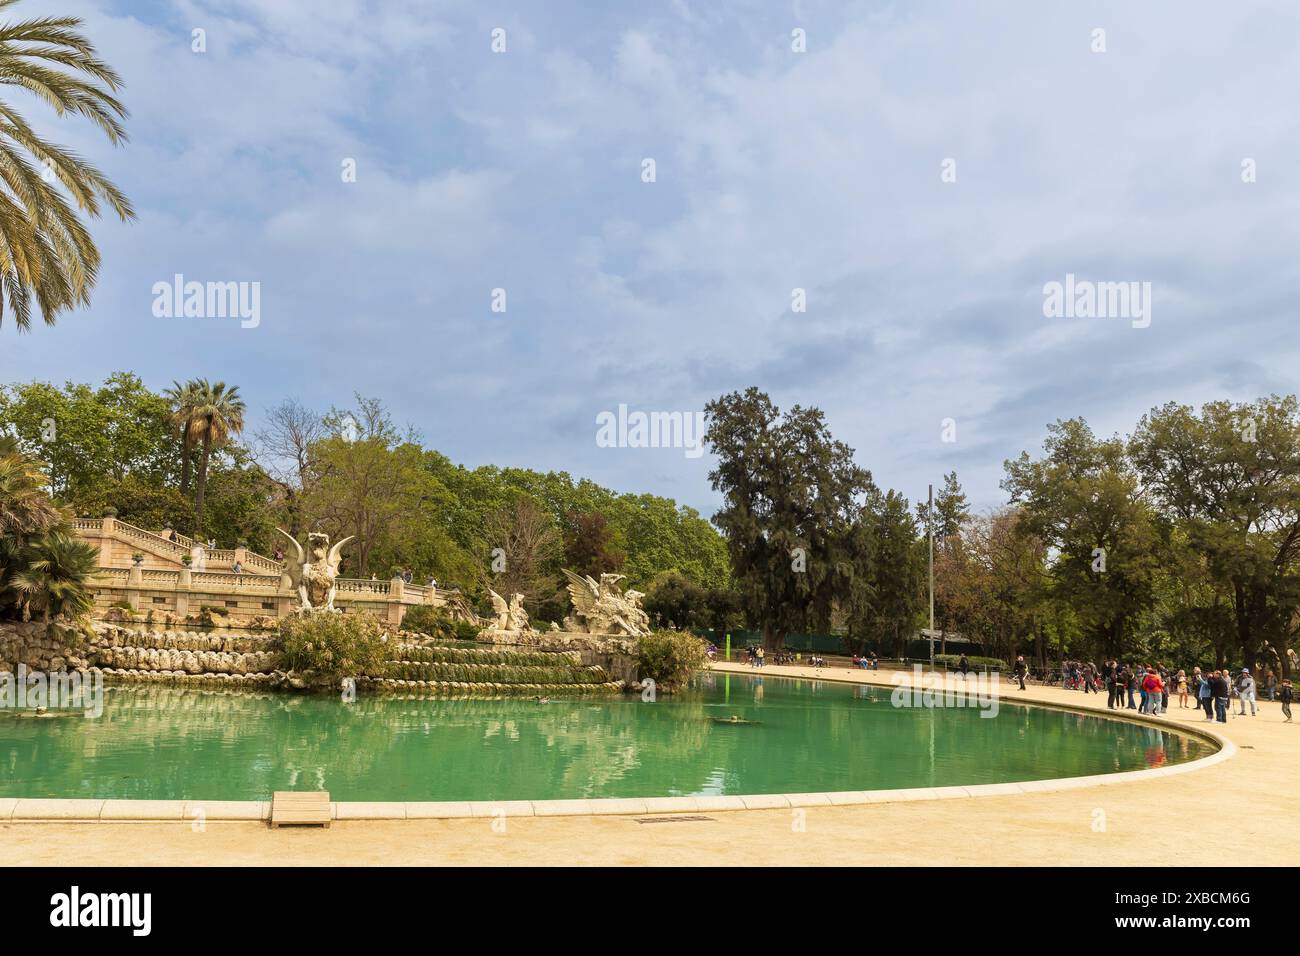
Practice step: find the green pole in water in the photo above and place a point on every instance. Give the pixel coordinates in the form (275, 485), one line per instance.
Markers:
(728, 654)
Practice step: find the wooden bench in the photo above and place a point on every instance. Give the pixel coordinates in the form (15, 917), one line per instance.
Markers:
(300, 808)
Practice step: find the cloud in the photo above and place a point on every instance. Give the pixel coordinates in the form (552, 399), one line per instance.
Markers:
(776, 171)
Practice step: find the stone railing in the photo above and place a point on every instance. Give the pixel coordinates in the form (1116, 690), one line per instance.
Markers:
(185, 591)
(148, 537)
(149, 576)
(258, 582)
(363, 585)
(269, 565)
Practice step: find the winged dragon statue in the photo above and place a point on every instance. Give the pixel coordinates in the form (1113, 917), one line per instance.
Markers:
(510, 615)
(315, 573)
(601, 607)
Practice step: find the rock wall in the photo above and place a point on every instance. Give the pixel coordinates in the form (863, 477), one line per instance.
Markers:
(41, 647)
(197, 658)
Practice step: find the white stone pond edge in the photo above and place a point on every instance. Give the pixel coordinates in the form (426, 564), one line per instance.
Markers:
(22, 810)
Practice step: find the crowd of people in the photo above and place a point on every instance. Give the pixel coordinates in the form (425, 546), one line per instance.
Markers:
(756, 656)
(1148, 688)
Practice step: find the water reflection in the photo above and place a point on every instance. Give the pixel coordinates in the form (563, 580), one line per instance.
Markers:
(172, 743)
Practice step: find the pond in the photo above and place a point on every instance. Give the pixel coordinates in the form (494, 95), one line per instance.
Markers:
(789, 736)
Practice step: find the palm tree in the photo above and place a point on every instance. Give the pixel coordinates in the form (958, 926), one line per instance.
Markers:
(184, 401)
(57, 576)
(25, 507)
(45, 251)
(219, 413)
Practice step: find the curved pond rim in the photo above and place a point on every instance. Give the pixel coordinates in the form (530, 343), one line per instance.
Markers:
(43, 810)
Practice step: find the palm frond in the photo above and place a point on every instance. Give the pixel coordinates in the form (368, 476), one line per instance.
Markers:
(48, 260)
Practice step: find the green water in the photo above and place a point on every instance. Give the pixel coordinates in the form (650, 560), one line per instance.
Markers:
(156, 742)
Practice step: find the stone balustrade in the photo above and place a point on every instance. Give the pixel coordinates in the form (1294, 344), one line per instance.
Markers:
(161, 582)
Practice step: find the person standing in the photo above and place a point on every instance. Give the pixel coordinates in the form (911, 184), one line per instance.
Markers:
(1180, 684)
(1020, 670)
(1130, 684)
(1205, 693)
(1221, 689)
(1286, 695)
(1152, 689)
(1108, 677)
(1246, 692)
(1270, 684)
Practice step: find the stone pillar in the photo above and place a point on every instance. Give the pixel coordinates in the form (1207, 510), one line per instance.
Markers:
(241, 555)
(183, 586)
(396, 601)
(134, 581)
(106, 543)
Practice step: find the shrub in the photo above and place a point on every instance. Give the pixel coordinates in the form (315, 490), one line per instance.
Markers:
(323, 647)
(435, 622)
(669, 658)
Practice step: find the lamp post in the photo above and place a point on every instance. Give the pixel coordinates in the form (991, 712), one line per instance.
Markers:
(929, 521)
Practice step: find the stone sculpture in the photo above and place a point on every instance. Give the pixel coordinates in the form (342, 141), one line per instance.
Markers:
(316, 573)
(602, 607)
(510, 616)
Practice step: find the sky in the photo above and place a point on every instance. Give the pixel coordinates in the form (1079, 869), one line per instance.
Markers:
(920, 170)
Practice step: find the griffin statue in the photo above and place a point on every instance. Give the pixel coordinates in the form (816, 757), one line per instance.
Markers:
(601, 607)
(315, 574)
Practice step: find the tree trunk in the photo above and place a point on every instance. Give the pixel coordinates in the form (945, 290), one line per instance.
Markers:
(187, 465)
(771, 640)
(200, 484)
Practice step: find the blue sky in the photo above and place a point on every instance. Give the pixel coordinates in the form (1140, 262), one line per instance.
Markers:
(775, 170)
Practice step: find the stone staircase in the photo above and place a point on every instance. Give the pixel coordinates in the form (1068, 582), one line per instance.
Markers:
(119, 540)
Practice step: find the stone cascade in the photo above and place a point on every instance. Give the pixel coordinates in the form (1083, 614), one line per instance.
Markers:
(443, 670)
(189, 657)
(418, 666)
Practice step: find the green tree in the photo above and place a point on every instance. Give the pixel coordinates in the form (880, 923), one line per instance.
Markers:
(525, 546)
(218, 414)
(893, 571)
(46, 253)
(1084, 500)
(791, 494)
(184, 416)
(91, 436)
(674, 600)
(1229, 478)
(589, 546)
(951, 510)
(367, 480)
